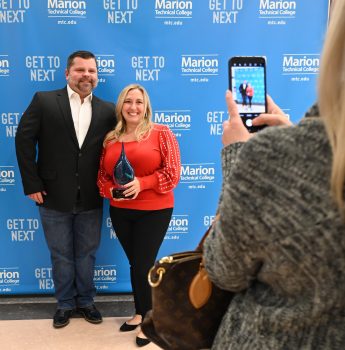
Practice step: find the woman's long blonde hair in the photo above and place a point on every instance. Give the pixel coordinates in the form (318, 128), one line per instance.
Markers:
(143, 129)
(331, 97)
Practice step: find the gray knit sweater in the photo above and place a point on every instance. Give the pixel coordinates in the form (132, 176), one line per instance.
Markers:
(280, 244)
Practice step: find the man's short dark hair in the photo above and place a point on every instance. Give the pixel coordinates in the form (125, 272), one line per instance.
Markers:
(81, 54)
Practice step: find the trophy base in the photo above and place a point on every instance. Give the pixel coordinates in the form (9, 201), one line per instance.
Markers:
(118, 194)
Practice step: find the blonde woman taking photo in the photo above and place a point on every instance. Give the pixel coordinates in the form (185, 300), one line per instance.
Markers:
(280, 240)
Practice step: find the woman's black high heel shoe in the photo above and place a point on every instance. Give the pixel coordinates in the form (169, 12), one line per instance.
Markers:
(142, 341)
(128, 327)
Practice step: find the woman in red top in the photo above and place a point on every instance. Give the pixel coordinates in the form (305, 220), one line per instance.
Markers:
(140, 222)
(250, 93)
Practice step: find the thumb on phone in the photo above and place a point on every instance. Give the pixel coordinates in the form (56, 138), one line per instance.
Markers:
(274, 117)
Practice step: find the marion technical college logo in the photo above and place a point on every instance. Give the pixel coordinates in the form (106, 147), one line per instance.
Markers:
(179, 224)
(176, 120)
(277, 11)
(300, 66)
(4, 66)
(9, 278)
(7, 177)
(67, 11)
(173, 12)
(104, 276)
(106, 66)
(199, 66)
(197, 175)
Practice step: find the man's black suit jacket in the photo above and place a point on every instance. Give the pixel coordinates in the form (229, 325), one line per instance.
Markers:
(48, 152)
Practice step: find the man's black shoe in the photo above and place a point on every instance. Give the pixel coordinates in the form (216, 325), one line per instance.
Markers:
(61, 318)
(91, 314)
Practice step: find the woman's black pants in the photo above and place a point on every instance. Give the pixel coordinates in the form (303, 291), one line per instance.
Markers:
(141, 233)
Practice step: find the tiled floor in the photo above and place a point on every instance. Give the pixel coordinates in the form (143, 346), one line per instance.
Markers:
(26, 324)
(78, 335)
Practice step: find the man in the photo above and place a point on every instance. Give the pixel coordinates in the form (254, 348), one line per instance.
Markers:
(68, 127)
(243, 92)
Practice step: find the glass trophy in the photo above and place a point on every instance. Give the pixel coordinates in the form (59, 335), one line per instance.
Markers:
(122, 174)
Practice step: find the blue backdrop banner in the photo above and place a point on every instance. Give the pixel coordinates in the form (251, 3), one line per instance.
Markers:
(178, 50)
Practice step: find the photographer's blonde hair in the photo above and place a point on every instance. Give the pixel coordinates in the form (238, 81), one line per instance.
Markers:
(143, 129)
(331, 97)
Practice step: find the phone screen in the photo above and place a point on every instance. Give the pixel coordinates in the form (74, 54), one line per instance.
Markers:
(247, 81)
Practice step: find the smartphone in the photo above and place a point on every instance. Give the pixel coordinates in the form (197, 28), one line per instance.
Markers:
(247, 82)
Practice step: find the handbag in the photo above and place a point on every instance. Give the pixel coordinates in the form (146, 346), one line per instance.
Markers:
(187, 307)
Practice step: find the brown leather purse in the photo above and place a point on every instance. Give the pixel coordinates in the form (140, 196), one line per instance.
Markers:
(186, 306)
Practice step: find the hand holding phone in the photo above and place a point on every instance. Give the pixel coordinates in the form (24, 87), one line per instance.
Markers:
(233, 128)
(247, 82)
